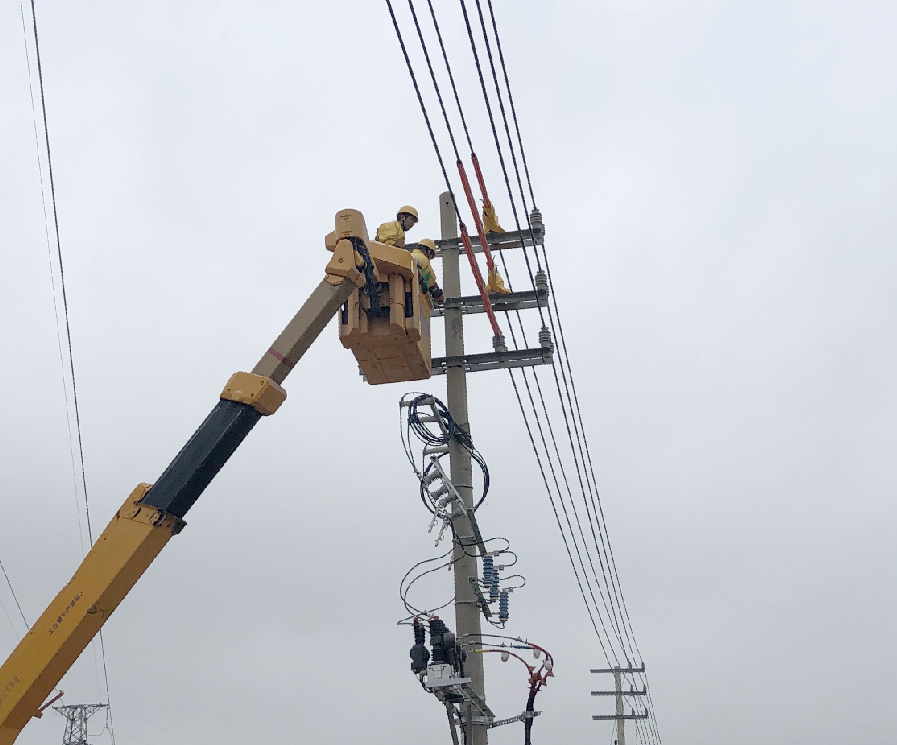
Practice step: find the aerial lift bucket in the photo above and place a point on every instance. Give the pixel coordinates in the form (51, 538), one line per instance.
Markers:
(386, 323)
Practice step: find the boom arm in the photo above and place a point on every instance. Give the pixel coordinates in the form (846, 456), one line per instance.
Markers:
(153, 514)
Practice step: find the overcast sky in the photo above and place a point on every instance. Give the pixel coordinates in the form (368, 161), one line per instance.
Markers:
(717, 180)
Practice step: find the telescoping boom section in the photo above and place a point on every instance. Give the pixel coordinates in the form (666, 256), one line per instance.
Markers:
(152, 514)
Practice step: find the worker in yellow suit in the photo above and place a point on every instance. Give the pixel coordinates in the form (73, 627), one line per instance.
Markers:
(393, 233)
(423, 253)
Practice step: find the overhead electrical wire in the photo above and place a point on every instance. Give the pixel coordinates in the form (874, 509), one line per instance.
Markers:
(602, 557)
(512, 199)
(15, 600)
(620, 637)
(77, 453)
(564, 357)
(565, 362)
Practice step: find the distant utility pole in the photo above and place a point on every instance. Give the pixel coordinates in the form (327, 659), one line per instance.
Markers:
(455, 365)
(76, 726)
(620, 717)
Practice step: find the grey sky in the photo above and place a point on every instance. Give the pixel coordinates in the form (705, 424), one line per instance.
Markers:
(717, 181)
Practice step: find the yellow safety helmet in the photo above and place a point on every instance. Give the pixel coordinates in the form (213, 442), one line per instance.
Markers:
(428, 244)
(409, 210)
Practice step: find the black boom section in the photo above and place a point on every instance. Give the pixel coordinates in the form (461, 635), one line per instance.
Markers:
(202, 457)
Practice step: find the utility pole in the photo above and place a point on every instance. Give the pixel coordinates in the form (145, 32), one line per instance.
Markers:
(620, 717)
(467, 612)
(76, 726)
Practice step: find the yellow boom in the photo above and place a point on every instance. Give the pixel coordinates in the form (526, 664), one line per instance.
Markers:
(153, 514)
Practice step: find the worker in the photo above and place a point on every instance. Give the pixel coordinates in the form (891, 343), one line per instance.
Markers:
(393, 233)
(424, 252)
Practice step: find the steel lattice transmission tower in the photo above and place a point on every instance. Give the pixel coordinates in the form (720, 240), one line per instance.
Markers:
(76, 725)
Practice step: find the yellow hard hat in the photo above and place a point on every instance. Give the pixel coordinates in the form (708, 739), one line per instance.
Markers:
(428, 243)
(410, 210)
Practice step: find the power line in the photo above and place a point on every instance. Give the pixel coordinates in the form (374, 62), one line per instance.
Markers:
(68, 329)
(15, 599)
(615, 611)
(564, 359)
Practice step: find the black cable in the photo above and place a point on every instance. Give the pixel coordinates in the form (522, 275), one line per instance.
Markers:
(420, 100)
(610, 582)
(68, 329)
(558, 519)
(560, 335)
(448, 67)
(453, 431)
(21, 612)
(423, 46)
(613, 583)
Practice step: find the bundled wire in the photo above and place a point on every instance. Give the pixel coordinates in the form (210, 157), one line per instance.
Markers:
(405, 587)
(538, 673)
(416, 423)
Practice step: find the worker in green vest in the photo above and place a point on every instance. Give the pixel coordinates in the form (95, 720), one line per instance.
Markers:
(393, 233)
(423, 253)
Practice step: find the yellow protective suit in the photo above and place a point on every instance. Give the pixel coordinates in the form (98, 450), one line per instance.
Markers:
(490, 220)
(427, 275)
(392, 234)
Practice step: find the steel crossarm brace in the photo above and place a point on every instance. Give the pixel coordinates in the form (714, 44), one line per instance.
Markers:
(643, 692)
(620, 669)
(509, 302)
(518, 718)
(496, 241)
(495, 360)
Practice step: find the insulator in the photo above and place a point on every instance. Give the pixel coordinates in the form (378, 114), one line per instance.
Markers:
(505, 656)
(503, 603)
(420, 633)
(545, 339)
(420, 655)
(535, 219)
(430, 475)
(494, 586)
(437, 632)
(487, 571)
(541, 281)
(498, 343)
(537, 653)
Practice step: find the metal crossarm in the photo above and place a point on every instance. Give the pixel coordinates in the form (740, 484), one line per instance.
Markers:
(509, 302)
(495, 360)
(496, 241)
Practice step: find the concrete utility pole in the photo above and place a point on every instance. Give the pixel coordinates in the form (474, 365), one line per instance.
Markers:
(618, 693)
(621, 723)
(467, 612)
